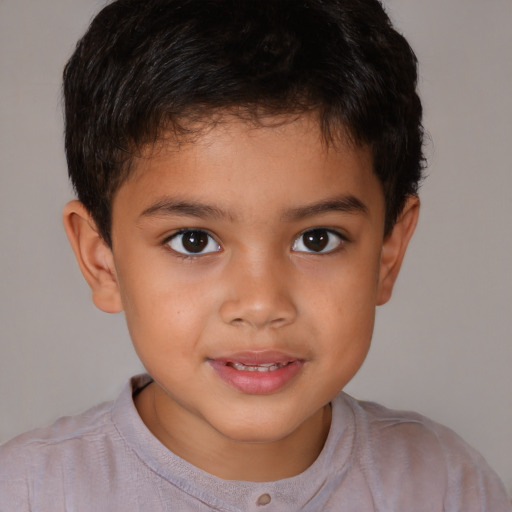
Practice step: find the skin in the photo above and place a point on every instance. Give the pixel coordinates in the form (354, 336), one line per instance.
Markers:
(256, 289)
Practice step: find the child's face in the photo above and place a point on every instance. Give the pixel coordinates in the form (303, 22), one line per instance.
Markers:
(249, 267)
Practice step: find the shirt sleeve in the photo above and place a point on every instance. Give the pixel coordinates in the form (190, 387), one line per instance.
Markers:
(14, 493)
(412, 463)
(472, 485)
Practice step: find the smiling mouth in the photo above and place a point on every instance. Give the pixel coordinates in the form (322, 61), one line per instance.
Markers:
(257, 373)
(264, 367)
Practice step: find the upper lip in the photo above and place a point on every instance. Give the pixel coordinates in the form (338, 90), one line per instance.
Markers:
(257, 357)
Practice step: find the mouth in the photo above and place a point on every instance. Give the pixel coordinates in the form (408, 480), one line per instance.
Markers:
(263, 368)
(257, 373)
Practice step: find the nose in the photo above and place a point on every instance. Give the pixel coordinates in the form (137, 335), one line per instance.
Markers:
(259, 294)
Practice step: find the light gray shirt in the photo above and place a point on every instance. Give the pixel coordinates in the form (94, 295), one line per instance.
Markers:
(374, 459)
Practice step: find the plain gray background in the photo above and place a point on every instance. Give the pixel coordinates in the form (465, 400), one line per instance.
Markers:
(442, 346)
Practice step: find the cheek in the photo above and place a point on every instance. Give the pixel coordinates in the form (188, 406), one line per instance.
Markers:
(166, 311)
(342, 307)
(346, 289)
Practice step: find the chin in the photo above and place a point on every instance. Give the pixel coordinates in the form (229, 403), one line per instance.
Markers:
(256, 431)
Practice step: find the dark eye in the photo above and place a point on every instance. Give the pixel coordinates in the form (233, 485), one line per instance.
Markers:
(193, 241)
(317, 240)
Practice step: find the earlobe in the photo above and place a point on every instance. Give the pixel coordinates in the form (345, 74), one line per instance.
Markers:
(394, 247)
(94, 257)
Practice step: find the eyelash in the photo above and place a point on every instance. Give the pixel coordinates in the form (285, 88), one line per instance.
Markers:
(341, 240)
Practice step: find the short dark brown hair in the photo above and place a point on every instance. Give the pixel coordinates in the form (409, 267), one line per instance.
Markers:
(148, 66)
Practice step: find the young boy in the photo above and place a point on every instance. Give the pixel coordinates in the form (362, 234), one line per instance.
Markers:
(247, 175)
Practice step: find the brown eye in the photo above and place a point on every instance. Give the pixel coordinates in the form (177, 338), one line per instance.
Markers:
(193, 241)
(317, 241)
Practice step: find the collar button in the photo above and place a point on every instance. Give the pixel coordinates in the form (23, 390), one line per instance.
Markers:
(263, 500)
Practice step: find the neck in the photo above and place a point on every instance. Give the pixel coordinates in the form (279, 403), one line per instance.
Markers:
(230, 459)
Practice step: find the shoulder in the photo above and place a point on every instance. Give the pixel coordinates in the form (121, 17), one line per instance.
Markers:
(389, 429)
(405, 455)
(64, 432)
(41, 457)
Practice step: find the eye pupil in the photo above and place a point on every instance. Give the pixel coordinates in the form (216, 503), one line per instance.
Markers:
(316, 240)
(195, 241)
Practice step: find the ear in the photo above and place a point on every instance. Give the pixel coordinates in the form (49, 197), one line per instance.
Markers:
(393, 249)
(94, 257)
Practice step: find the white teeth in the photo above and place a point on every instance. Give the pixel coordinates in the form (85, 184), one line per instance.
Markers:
(264, 367)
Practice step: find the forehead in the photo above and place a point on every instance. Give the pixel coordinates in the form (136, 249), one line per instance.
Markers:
(232, 125)
(244, 165)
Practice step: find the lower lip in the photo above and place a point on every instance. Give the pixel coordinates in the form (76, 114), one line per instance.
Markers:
(257, 383)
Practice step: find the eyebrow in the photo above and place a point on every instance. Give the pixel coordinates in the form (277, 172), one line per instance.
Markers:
(344, 204)
(172, 206)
